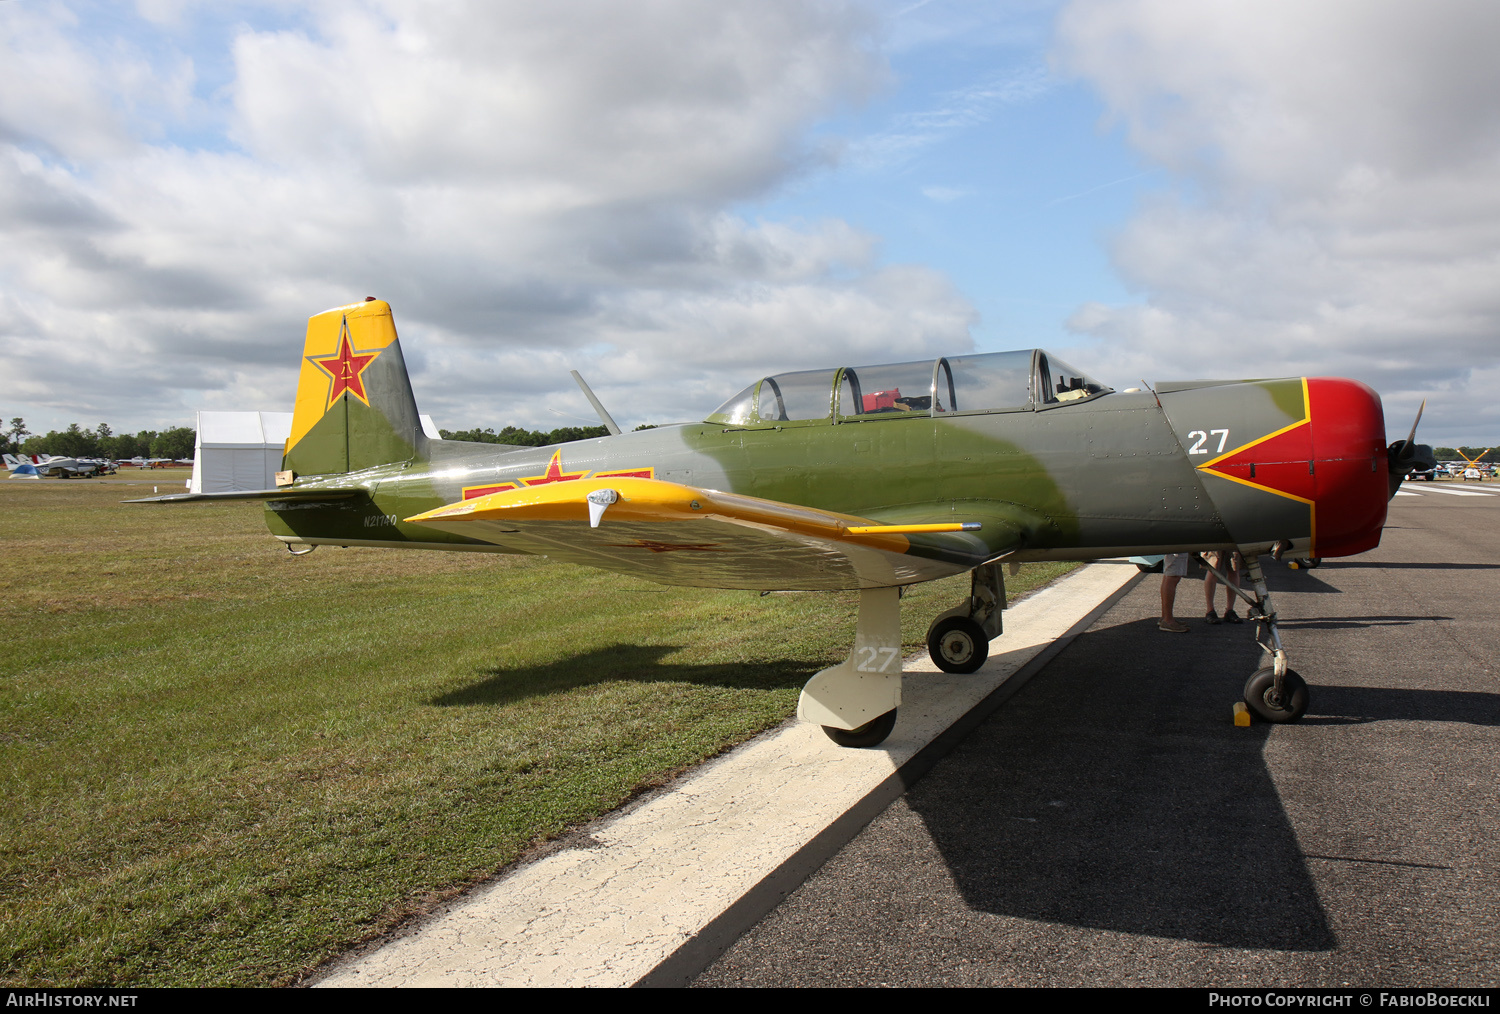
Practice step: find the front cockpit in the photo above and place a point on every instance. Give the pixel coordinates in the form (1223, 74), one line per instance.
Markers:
(1021, 381)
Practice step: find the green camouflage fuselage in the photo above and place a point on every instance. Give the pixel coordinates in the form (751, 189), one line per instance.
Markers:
(1038, 460)
(1077, 480)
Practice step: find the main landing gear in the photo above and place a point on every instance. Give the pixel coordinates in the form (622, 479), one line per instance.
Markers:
(855, 701)
(1274, 692)
(959, 640)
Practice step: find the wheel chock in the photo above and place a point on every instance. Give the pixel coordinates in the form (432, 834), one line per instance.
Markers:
(1241, 715)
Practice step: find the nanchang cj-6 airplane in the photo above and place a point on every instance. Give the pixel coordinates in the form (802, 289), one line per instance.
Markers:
(867, 478)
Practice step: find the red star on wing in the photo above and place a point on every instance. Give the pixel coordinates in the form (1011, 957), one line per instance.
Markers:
(554, 473)
(345, 367)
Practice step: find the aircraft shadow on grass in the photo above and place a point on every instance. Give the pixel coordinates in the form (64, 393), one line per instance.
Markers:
(1114, 793)
(635, 662)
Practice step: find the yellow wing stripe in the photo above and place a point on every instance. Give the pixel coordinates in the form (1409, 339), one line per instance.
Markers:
(965, 526)
(656, 500)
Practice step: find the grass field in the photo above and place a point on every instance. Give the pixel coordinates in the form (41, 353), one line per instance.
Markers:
(223, 765)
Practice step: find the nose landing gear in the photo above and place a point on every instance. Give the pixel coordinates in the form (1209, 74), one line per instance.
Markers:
(1284, 703)
(1274, 692)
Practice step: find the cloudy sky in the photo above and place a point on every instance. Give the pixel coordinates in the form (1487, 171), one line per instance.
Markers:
(676, 196)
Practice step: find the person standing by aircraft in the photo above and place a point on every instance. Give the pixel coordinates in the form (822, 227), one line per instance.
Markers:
(1229, 564)
(1174, 567)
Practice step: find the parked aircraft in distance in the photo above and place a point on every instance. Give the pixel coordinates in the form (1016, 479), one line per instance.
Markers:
(21, 467)
(60, 467)
(1472, 465)
(858, 477)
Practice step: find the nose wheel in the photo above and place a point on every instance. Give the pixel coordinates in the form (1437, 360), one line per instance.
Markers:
(1274, 693)
(1285, 703)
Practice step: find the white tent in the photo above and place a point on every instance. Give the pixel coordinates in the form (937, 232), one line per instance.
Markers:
(242, 450)
(238, 450)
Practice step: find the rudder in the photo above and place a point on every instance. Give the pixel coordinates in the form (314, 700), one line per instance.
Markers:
(354, 406)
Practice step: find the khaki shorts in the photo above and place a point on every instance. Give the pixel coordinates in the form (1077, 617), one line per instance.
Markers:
(1175, 565)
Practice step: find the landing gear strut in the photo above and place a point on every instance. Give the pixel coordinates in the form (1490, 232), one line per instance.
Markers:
(1274, 692)
(959, 640)
(855, 701)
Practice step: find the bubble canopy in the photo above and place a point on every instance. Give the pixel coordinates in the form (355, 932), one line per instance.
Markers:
(1022, 381)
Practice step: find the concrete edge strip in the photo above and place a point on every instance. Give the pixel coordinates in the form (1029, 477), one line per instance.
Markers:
(704, 947)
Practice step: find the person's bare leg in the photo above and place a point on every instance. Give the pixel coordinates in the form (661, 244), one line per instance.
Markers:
(1168, 597)
(1174, 566)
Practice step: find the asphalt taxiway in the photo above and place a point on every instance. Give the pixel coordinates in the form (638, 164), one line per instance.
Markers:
(1109, 825)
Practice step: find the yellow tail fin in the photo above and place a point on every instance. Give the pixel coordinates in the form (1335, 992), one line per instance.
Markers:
(354, 404)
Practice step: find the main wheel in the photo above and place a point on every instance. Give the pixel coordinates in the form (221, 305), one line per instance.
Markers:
(1149, 568)
(872, 733)
(1261, 696)
(957, 645)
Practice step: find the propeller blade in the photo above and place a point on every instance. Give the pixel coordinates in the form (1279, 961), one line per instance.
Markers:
(1406, 455)
(1412, 438)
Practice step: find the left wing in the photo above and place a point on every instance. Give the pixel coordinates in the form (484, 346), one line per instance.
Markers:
(678, 534)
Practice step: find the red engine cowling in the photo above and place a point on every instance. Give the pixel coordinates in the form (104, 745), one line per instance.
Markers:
(1350, 488)
(1333, 459)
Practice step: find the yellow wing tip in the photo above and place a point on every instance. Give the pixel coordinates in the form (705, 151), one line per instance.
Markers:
(961, 526)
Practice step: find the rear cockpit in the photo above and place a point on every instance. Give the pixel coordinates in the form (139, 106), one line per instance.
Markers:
(1022, 381)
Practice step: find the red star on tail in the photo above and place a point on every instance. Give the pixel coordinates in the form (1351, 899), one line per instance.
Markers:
(345, 367)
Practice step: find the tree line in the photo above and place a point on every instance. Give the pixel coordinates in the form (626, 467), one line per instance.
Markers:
(530, 438)
(100, 442)
(103, 442)
(1452, 453)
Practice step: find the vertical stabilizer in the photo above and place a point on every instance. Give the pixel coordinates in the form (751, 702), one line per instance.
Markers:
(354, 403)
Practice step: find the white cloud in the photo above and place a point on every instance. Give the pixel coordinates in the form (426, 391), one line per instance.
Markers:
(1335, 208)
(531, 186)
(944, 195)
(959, 110)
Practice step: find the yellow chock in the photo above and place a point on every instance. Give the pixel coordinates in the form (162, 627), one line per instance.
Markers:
(1241, 715)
